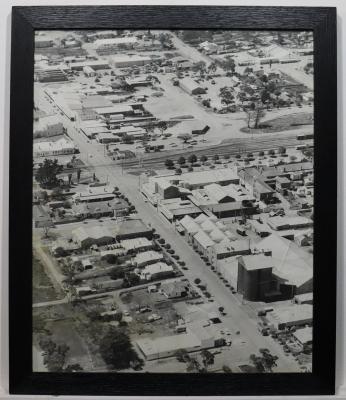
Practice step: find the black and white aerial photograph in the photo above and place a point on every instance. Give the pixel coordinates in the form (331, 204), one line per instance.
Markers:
(173, 201)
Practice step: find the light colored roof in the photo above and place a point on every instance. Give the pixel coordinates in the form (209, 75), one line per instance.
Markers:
(228, 245)
(129, 244)
(291, 314)
(156, 268)
(94, 232)
(208, 226)
(217, 235)
(189, 224)
(115, 41)
(114, 109)
(189, 84)
(201, 218)
(292, 263)
(168, 344)
(147, 256)
(207, 177)
(304, 296)
(95, 191)
(56, 145)
(203, 239)
(257, 261)
(95, 101)
(276, 222)
(304, 335)
(124, 58)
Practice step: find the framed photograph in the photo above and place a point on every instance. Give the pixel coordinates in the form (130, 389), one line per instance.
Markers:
(173, 200)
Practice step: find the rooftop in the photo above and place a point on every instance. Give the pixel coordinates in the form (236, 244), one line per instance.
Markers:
(292, 263)
(303, 335)
(131, 244)
(115, 41)
(290, 314)
(168, 344)
(95, 232)
(257, 261)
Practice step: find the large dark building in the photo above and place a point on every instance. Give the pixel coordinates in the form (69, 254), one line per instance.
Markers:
(255, 279)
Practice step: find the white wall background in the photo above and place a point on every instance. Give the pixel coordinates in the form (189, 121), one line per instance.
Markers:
(5, 32)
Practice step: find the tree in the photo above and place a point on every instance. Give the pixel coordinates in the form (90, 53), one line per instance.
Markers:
(193, 365)
(226, 369)
(212, 67)
(216, 157)
(264, 362)
(116, 349)
(79, 172)
(192, 158)
(204, 158)
(181, 160)
(228, 64)
(47, 173)
(254, 114)
(53, 355)
(226, 94)
(271, 152)
(265, 97)
(132, 279)
(162, 125)
(178, 171)
(69, 270)
(69, 179)
(207, 358)
(185, 137)
(150, 127)
(197, 281)
(206, 103)
(199, 66)
(261, 153)
(182, 355)
(110, 258)
(282, 150)
(169, 163)
(46, 228)
(165, 40)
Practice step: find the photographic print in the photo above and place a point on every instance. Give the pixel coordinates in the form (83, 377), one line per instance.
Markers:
(173, 201)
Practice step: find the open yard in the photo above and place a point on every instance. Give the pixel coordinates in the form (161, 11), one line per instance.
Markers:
(42, 287)
(284, 123)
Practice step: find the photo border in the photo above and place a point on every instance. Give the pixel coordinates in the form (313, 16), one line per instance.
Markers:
(25, 20)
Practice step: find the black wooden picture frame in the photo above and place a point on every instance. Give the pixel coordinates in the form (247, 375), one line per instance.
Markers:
(25, 20)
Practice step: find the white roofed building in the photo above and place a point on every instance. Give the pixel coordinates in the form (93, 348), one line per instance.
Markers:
(61, 146)
(158, 270)
(47, 126)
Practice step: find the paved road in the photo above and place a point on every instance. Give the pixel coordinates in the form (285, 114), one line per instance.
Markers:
(188, 51)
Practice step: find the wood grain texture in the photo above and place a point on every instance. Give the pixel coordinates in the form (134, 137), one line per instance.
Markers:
(174, 17)
(27, 19)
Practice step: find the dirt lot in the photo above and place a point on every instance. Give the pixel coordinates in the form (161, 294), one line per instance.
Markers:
(284, 123)
(42, 287)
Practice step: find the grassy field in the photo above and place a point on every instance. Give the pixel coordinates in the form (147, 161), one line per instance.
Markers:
(284, 123)
(42, 287)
